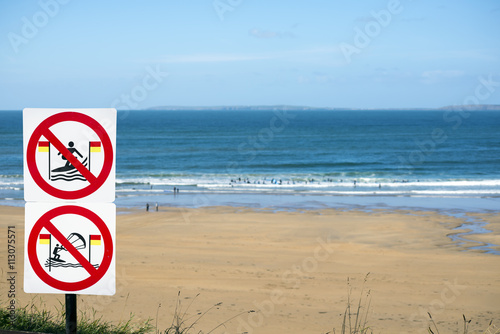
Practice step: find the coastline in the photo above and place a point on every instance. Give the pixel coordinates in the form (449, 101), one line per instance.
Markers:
(294, 200)
(293, 266)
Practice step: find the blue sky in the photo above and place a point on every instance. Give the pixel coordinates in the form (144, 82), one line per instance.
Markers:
(353, 54)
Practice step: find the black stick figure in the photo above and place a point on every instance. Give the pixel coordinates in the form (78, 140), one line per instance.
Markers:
(56, 251)
(72, 150)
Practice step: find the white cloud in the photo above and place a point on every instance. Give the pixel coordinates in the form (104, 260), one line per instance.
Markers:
(431, 77)
(315, 78)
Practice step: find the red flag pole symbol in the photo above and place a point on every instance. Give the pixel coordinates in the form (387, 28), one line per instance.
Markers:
(46, 239)
(94, 240)
(94, 146)
(44, 146)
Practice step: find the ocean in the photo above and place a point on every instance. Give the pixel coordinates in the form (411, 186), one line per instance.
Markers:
(279, 158)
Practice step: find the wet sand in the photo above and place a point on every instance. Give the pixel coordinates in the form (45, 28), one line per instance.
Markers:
(291, 267)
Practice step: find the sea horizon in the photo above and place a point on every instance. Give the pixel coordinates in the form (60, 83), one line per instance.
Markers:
(343, 154)
(271, 107)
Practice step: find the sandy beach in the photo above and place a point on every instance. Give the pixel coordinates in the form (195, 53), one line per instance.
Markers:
(294, 268)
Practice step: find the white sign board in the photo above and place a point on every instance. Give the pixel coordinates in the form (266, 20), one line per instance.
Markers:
(69, 155)
(70, 248)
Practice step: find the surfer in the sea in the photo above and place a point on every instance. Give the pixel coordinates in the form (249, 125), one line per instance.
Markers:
(68, 165)
(56, 251)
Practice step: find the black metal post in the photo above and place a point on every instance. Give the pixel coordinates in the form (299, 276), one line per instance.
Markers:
(70, 314)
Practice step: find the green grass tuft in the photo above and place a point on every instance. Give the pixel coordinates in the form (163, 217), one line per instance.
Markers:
(355, 320)
(181, 324)
(32, 319)
(492, 329)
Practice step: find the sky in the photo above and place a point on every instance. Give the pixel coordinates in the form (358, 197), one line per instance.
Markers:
(320, 53)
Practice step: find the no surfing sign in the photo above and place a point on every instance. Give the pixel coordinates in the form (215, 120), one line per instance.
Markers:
(69, 155)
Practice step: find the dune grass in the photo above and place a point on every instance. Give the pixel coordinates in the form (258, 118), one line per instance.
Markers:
(492, 329)
(355, 318)
(181, 324)
(31, 318)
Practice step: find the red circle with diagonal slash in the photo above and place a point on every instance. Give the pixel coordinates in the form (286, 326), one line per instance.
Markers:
(43, 129)
(95, 274)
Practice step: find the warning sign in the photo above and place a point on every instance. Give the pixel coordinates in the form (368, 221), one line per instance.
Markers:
(69, 154)
(70, 248)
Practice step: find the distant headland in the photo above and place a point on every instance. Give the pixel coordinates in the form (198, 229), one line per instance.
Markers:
(478, 107)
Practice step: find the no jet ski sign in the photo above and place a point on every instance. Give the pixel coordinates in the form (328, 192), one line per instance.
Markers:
(70, 248)
(69, 155)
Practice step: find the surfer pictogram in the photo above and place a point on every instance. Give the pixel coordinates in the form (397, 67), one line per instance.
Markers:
(60, 257)
(68, 172)
(68, 165)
